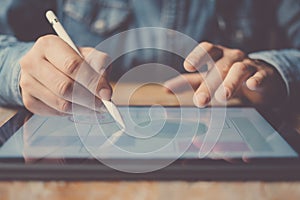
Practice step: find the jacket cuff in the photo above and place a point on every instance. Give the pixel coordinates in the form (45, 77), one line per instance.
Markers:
(10, 74)
(287, 63)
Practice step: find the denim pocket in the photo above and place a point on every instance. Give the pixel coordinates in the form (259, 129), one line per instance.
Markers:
(101, 16)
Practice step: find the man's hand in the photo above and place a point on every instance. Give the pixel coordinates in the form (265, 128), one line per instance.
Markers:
(233, 74)
(51, 69)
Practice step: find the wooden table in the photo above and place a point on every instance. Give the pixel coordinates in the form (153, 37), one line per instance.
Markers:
(145, 189)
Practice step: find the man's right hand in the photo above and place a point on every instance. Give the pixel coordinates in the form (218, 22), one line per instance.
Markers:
(49, 72)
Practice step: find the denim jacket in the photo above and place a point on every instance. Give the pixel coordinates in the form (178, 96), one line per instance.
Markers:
(267, 30)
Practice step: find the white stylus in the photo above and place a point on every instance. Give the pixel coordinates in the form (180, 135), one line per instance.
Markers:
(61, 32)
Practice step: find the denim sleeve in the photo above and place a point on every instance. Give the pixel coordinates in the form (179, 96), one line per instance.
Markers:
(11, 52)
(287, 63)
(288, 18)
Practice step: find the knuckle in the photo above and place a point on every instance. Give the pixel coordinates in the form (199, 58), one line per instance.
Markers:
(24, 82)
(27, 62)
(46, 40)
(224, 67)
(63, 106)
(264, 73)
(72, 64)
(24, 62)
(65, 88)
(28, 102)
(239, 66)
(41, 40)
(92, 83)
(238, 53)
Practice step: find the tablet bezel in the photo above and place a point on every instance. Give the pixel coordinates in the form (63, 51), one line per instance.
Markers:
(267, 169)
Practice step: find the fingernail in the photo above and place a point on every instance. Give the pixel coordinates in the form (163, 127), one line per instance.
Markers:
(201, 99)
(105, 94)
(227, 93)
(223, 94)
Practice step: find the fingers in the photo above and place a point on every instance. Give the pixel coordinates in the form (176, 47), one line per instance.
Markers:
(237, 75)
(212, 81)
(99, 61)
(53, 74)
(206, 90)
(202, 54)
(224, 59)
(65, 59)
(255, 82)
(183, 83)
(36, 106)
(223, 84)
(35, 89)
(62, 86)
(40, 100)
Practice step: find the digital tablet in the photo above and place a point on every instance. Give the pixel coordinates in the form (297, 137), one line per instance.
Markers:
(158, 143)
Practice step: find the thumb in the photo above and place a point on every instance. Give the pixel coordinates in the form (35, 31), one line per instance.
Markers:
(255, 82)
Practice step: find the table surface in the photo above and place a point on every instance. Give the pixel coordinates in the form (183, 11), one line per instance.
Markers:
(147, 94)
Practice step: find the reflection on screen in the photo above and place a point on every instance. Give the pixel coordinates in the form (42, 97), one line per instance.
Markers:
(244, 134)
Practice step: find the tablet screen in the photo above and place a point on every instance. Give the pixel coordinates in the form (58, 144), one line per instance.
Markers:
(151, 132)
